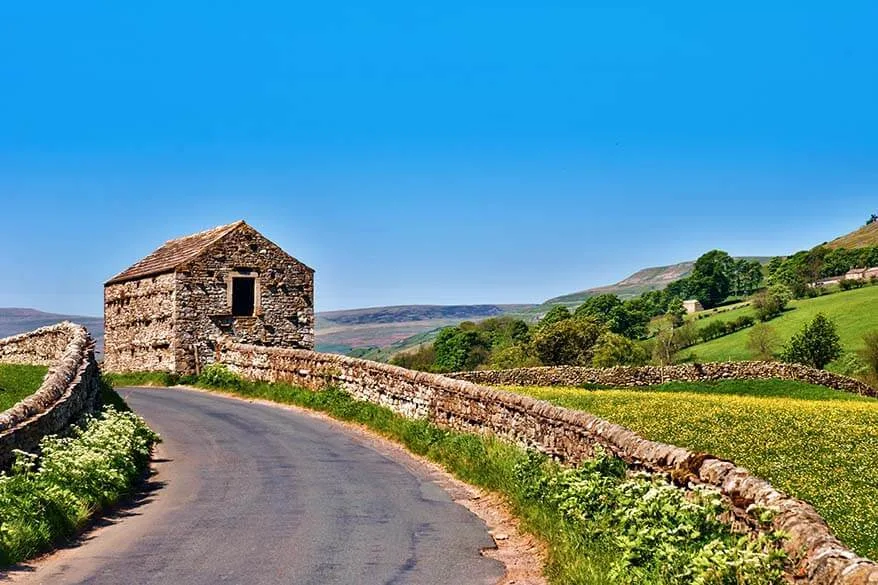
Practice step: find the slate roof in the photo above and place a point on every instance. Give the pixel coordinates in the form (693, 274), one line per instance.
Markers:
(174, 253)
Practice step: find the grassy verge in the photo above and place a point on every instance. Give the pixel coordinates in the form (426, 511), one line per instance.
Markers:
(18, 381)
(601, 525)
(811, 442)
(45, 500)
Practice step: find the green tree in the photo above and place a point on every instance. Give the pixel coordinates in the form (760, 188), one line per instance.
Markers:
(460, 348)
(710, 281)
(763, 341)
(613, 349)
(771, 302)
(567, 342)
(556, 314)
(599, 307)
(513, 356)
(815, 345)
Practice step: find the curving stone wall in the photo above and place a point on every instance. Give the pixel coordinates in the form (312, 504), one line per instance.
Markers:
(630, 376)
(565, 434)
(71, 388)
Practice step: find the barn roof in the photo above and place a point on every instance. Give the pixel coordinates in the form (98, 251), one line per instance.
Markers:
(174, 253)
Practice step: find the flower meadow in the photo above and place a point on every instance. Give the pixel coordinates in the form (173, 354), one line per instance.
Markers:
(813, 443)
(49, 497)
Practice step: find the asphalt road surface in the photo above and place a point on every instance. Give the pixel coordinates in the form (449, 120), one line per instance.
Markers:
(253, 494)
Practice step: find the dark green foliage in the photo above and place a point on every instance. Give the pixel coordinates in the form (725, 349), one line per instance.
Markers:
(872, 219)
(771, 302)
(851, 283)
(461, 348)
(710, 281)
(555, 314)
(567, 342)
(613, 349)
(470, 345)
(624, 318)
(815, 345)
(804, 267)
(598, 307)
(423, 358)
(712, 330)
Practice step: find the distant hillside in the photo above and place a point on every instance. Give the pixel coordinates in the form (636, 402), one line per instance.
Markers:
(15, 320)
(861, 238)
(342, 331)
(647, 279)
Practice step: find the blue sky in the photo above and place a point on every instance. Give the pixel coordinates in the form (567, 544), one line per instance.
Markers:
(421, 152)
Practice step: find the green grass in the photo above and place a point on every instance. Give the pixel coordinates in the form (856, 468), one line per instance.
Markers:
(44, 501)
(810, 442)
(854, 312)
(17, 382)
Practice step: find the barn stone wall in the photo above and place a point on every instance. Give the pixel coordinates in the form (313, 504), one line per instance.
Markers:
(566, 434)
(71, 388)
(139, 325)
(631, 376)
(285, 303)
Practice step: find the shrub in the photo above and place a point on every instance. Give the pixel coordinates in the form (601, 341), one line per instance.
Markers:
(869, 355)
(613, 349)
(763, 341)
(46, 499)
(217, 375)
(513, 356)
(661, 533)
(815, 345)
(712, 330)
(771, 302)
(567, 342)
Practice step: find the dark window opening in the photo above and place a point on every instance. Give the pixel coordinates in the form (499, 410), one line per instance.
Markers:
(243, 296)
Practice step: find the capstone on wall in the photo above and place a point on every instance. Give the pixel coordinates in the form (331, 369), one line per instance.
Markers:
(284, 313)
(638, 376)
(139, 324)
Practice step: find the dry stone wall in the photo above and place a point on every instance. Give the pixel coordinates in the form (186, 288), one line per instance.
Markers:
(71, 388)
(629, 376)
(567, 435)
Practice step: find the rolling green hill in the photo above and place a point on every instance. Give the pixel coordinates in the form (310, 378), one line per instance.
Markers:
(855, 313)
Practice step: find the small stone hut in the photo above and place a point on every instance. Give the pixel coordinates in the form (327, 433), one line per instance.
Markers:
(166, 312)
(692, 306)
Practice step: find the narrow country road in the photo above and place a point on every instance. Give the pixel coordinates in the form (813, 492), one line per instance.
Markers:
(253, 494)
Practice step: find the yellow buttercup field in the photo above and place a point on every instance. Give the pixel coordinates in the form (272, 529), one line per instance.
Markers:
(816, 444)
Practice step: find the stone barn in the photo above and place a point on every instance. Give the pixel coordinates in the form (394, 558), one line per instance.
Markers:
(167, 311)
